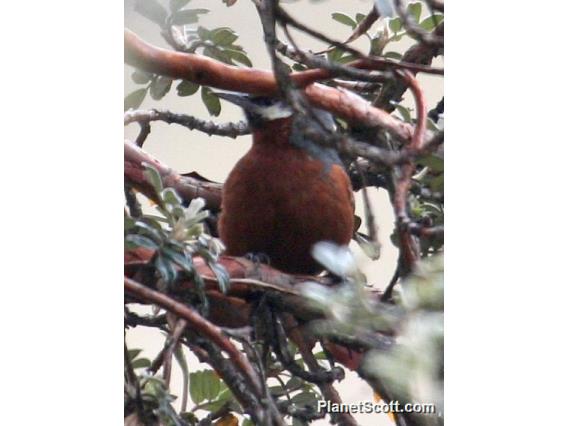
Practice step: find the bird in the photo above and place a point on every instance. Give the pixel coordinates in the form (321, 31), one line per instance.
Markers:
(287, 192)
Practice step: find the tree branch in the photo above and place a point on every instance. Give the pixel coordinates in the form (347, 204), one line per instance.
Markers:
(231, 130)
(187, 187)
(209, 72)
(199, 324)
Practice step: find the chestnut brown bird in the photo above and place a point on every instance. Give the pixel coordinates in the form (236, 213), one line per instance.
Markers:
(287, 193)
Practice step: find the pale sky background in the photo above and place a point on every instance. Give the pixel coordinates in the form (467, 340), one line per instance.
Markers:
(213, 157)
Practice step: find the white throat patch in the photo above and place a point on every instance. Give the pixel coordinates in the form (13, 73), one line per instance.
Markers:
(274, 112)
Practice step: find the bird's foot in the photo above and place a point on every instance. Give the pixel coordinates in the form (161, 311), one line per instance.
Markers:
(258, 258)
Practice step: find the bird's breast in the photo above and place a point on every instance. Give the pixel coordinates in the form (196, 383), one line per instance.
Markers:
(280, 201)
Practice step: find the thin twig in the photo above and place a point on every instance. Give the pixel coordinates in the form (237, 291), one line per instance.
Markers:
(168, 349)
(145, 130)
(379, 63)
(197, 323)
(231, 130)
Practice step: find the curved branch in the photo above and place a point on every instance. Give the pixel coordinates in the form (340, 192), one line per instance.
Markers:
(187, 187)
(409, 248)
(209, 72)
(198, 323)
(417, 54)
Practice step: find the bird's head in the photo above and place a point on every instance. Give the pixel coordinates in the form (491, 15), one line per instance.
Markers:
(267, 118)
(259, 110)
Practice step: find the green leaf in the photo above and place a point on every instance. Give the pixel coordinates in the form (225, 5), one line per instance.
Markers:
(217, 53)
(344, 19)
(435, 163)
(393, 55)
(177, 4)
(239, 57)
(371, 249)
(195, 388)
(153, 233)
(133, 241)
(359, 17)
(404, 112)
(346, 59)
(189, 417)
(430, 125)
(133, 353)
(187, 88)
(293, 383)
(276, 391)
(414, 10)
(153, 222)
(178, 258)
(155, 218)
(204, 385)
(305, 398)
(378, 44)
(210, 101)
(152, 10)
(247, 422)
(160, 87)
(134, 100)
(141, 363)
(395, 25)
(223, 36)
(128, 223)
(203, 33)
(224, 396)
(188, 16)
(211, 385)
(431, 22)
(153, 177)
(335, 54)
(141, 77)
(165, 269)
(222, 276)
(170, 196)
(437, 184)
(320, 355)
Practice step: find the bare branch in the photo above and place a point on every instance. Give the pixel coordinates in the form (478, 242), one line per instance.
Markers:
(209, 127)
(187, 187)
(408, 245)
(198, 323)
(365, 61)
(213, 73)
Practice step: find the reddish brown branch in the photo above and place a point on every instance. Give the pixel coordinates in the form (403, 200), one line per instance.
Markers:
(209, 72)
(198, 324)
(417, 54)
(410, 250)
(187, 187)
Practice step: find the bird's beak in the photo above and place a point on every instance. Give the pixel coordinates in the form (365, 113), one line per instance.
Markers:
(238, 99)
